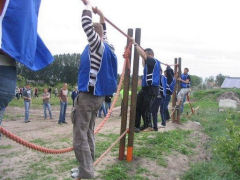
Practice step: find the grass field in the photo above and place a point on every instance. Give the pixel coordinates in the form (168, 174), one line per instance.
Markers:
(152, 147)
(215, 126)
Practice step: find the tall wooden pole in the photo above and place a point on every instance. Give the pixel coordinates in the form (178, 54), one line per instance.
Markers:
(133, 97)
(125, 104)
(179, 86)
(174, 96)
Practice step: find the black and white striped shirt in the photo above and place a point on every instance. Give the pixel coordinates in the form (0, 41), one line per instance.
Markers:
(95, 43)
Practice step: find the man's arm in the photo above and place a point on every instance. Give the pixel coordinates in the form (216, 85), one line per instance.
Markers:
(87, 25)
(102, 21)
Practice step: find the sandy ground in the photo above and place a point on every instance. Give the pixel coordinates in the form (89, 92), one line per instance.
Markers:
(17, 158)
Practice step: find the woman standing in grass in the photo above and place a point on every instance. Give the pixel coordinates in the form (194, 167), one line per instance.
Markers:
(46, 103)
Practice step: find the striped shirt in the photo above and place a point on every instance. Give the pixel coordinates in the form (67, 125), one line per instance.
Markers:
(95, 43)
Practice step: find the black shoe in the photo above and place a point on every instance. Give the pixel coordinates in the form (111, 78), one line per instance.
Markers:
(59, 123)
(64, 122)
(143, 128)
(155, 129)
(27, 121)
(136, 130)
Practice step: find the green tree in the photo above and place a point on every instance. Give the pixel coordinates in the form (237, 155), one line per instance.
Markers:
(196, 81)
(219, 79)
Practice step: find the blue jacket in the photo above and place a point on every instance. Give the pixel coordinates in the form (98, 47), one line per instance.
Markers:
(106, 81)
(185, 85)
(19, 38)
(154, 76)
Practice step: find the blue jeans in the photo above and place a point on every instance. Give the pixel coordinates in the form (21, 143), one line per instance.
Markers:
(164, 108)
(1, 117)
(63, 108)
(27, 107)
(107, 106)
(8, 78)
(102, 108)
(155, 108)
(47, 106)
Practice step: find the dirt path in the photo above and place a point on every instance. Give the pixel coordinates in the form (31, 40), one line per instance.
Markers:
(15, 159)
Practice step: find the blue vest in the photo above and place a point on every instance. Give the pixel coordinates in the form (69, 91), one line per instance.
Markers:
(171, 86)
(106, 81)
(185, 85)
(19, 38)
(154, 77)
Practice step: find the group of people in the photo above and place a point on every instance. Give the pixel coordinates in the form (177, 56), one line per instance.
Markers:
(97, 76)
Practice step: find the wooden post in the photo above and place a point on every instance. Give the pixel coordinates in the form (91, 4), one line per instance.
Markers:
(179, 86)
(125, 104)
(133, 98)
(174, 96)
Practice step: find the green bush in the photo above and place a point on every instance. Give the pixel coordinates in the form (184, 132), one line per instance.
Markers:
(228, 147)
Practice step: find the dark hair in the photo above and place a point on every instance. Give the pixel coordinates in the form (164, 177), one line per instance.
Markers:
(187, 69)
(149, 51)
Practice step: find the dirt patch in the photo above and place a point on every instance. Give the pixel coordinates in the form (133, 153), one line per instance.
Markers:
(16, 159)
(229, 95)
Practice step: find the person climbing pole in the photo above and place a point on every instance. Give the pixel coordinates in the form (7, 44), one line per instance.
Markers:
(185, 84)
(97, 78)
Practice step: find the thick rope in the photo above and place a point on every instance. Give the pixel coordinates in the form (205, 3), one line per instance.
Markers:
(109, 149)
(99, 127)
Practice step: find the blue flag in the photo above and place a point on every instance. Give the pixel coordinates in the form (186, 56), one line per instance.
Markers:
(18, 33)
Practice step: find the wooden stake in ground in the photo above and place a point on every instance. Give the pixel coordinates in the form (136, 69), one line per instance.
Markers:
(124, 108)
(133, 97)
(174, 95)
(179, 87)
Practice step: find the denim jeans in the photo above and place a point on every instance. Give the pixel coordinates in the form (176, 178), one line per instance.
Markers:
(107, 106)
(63, 108)
(27, 107)
(102, 108)
(7, 85)
(155, 108)
(164, 108)
(1, 117)
(47, 106)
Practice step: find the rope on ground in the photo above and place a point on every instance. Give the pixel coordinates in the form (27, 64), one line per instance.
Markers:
(109, 149)
(99, 127)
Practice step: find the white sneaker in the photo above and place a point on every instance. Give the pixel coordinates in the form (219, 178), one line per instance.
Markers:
(74, 170)
(75, 175)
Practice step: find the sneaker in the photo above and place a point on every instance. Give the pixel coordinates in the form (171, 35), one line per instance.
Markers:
(162, 126)
(142, 128)
(137, 130)
(177, 107)
(64, 122)
(75, 175)
(73, 170)
(148, 129)
(155, 129)
(27, 121)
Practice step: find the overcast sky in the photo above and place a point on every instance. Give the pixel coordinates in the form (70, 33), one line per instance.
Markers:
(205, 33)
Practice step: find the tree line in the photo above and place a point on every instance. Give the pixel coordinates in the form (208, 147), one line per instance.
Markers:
(65, 69)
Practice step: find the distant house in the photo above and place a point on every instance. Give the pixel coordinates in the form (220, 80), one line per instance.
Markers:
(231, 82)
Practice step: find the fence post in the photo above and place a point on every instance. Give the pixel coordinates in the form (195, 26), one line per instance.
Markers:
(133, 97)
(124, 104)
(174, 96)
(179, 87)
